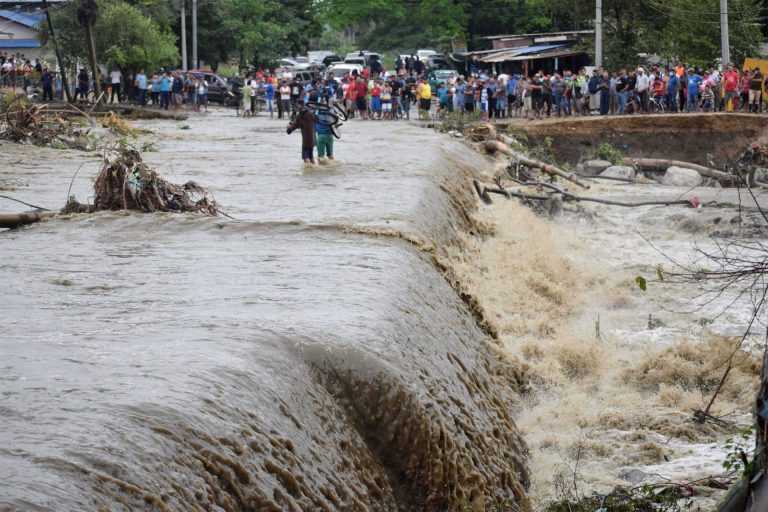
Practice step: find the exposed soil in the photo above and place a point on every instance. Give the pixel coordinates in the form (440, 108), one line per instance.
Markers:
(688, 137)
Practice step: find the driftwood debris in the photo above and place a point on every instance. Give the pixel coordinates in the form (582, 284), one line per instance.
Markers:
(495, 146)
(661, 165)
(16, 220)
(28, 123)
(483, 190)
(125, 182)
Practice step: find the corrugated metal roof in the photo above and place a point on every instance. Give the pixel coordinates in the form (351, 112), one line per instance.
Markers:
(19, 43)
(548, 55)
(23, 18)
(517, 52)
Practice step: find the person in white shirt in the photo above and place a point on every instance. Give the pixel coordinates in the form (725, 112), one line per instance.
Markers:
(6, 75)
(254, 91)
(116, 78)
(642, 87)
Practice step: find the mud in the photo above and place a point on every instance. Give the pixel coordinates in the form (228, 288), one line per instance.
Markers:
(697, 138)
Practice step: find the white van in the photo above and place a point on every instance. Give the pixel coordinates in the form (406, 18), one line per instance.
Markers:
(343, 68)
(423, 54)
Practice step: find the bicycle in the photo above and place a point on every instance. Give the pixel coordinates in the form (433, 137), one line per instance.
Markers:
(658, 104)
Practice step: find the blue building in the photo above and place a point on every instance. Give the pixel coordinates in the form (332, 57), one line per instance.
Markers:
(18, 19)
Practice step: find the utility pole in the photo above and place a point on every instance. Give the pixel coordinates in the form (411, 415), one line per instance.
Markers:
(87, 13)
(599, 33)
(726, 49)
(184, 35)
(64, 84)
(195, 63)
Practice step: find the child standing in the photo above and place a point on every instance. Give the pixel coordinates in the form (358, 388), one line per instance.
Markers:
(246, 100)
(386, 101)
(375, 100)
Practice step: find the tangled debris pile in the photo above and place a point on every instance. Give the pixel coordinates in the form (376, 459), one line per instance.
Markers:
(125, 182)
(28, 123)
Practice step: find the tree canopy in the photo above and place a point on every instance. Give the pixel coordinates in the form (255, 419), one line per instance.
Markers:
(136, 33)
(124, 37)
(670, 29)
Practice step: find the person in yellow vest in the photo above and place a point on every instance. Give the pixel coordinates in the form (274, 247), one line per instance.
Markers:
(424, 94)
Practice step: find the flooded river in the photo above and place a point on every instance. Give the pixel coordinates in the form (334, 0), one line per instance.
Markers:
(306, 356)
(329, 349)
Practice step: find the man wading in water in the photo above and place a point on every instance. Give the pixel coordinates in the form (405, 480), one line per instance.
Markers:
(304, 121)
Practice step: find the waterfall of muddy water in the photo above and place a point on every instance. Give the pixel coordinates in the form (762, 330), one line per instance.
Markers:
(608, 368)
(307, 356)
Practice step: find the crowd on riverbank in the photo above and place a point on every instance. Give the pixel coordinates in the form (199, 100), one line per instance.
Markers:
(376, 93)
(636, 91)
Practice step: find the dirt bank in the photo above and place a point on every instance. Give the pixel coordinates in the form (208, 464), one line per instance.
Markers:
(688, 137)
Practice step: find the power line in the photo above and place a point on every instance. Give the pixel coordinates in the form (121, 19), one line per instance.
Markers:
(704, 13)
(41, 11)
(689, 20)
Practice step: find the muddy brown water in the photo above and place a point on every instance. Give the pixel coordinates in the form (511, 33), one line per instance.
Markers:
(307, 356)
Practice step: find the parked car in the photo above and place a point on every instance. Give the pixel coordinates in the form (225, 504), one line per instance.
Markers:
(331, 59)
(323, 57)
(363, 60)
(423, 54)
(437, 62)
(219, 88)
(306, 76)
(339, 70)
(293, 64)
(437, 76)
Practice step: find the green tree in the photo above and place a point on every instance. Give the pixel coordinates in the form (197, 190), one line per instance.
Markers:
(125, 38)
(262, 31)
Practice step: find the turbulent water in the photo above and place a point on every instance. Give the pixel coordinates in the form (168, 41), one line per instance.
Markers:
(612, 374)
(309, 355)
(329, 349)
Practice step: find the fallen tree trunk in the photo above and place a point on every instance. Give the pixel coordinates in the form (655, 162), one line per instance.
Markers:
(16, 220)
(494, 146)
(661, 165)
(483, 190)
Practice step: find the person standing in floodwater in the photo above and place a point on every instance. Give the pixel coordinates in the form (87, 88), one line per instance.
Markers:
(304, 121)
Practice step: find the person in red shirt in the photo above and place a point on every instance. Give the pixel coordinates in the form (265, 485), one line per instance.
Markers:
(658, 87)
(745, 88)
(361, 91)
(366, 74)
(376, 100)
(731, 81)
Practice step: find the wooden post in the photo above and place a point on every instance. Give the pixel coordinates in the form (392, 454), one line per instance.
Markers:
(62, 69)
(87, 13)
(92, 58)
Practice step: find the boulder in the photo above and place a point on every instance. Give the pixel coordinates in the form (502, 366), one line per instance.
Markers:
(633, 475)
(680, 177)
(595, 167)
(619, 171)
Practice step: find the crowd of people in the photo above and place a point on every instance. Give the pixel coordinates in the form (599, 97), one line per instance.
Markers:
(637, 91)
(376, 93)
(388, 96)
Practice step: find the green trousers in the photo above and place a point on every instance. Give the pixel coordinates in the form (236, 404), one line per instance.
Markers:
(324, 145)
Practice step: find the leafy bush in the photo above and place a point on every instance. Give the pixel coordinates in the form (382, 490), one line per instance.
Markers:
(459, 121)
(608, 153)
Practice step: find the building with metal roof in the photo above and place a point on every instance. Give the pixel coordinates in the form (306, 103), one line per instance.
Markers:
(528, 53)
(18, 22)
